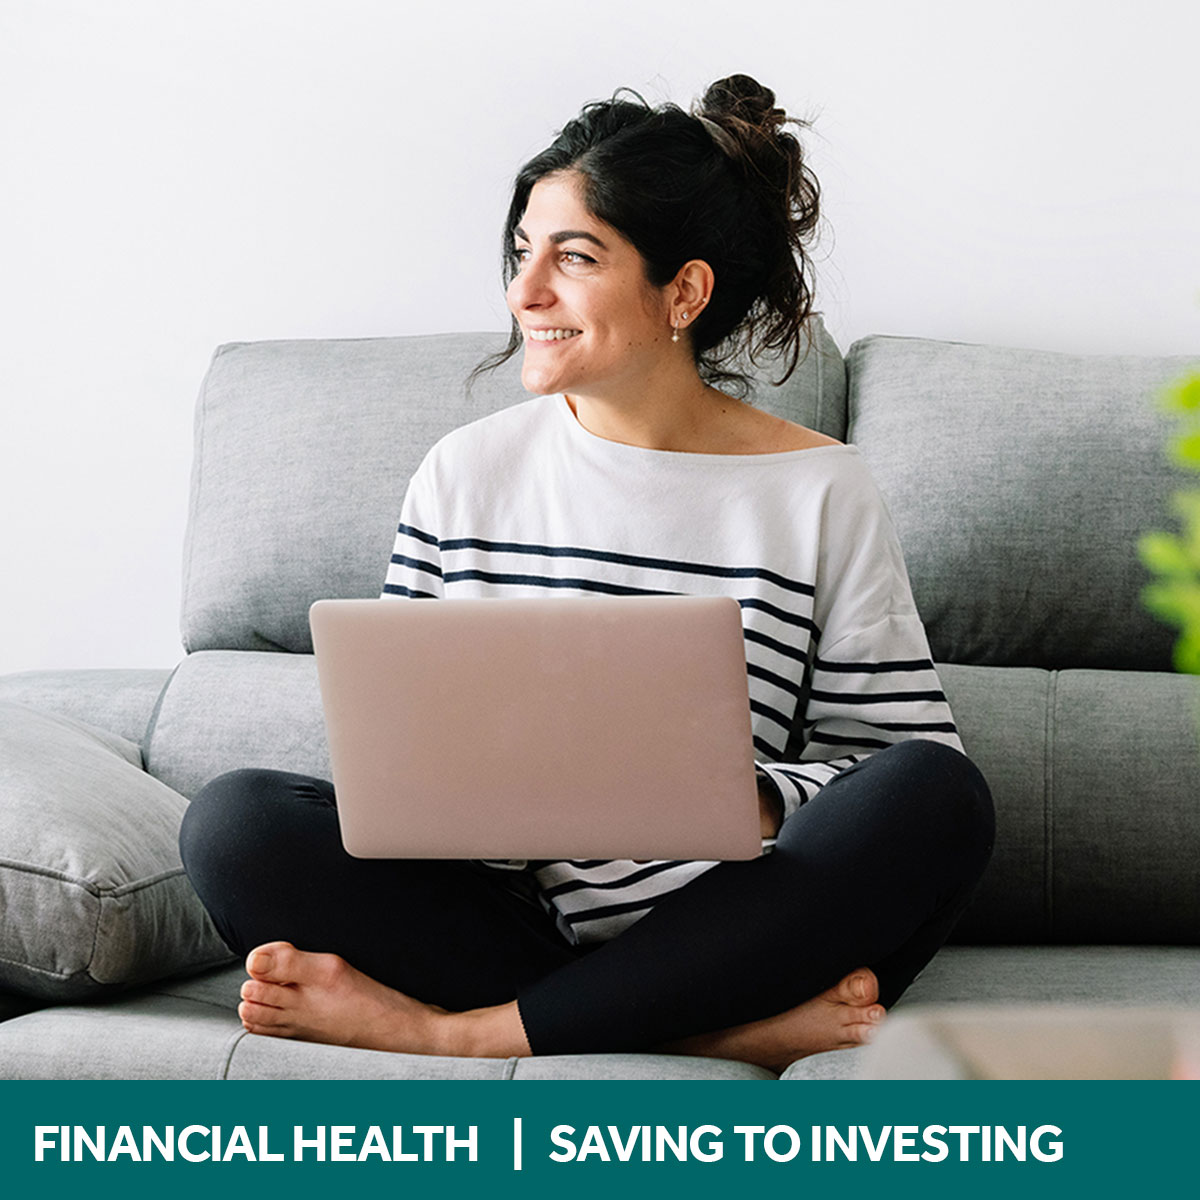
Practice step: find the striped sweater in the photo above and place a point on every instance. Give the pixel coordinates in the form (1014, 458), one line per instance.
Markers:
(526, 502)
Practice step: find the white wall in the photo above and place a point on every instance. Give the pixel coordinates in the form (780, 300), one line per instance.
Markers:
(176, 174)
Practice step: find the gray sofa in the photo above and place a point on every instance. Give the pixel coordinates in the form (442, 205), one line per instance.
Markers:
(1019, 482)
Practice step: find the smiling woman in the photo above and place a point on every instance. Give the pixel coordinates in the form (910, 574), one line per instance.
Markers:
(727, 187)
(643, 250)
(638, 227)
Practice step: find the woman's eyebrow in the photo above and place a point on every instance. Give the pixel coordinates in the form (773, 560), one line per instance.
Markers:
(564, 235)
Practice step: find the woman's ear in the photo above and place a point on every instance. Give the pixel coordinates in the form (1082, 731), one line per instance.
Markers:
(690, 291)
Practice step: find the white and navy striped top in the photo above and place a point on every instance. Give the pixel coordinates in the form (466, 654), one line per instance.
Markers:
(527, 502)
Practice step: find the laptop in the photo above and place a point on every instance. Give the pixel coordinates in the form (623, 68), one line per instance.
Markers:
(514, 728)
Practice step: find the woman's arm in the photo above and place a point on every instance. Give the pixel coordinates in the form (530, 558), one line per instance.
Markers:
(415, 568)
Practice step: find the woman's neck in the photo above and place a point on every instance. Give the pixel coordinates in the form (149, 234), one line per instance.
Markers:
(690, 417)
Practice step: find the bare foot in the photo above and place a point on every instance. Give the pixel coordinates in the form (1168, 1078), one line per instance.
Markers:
(322, 998)
(846, 1015)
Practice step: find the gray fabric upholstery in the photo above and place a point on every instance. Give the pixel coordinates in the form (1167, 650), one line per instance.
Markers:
(1095, 775)
(303, 453)
(143, 1035)
(1153, 976)
(92, 893)
(235, 708)
(1019, 482)
(120, 701)
(274, 1058)
(139, 1037)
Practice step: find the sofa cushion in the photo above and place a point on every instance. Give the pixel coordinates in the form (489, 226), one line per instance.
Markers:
(1020, 481)
(188, 1029)
(303, 453)
(92, 892)
(118, 700)
(1095, 776)
(226, 709)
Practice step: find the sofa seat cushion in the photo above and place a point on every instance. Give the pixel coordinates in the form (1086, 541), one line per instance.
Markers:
(92, 892)
(1127, 976)
(188, 1029)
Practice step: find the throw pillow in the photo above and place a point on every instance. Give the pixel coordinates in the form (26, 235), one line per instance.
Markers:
(93, 897)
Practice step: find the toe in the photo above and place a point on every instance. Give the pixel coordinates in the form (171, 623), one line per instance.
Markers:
(865, 1025)
(282, 963)
(251, 1026)
(859, 987)
(847, 989)
(262, 1016)
(274, 995)
(271, 961)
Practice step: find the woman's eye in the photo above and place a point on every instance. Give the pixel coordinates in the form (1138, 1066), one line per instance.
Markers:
(522, 254)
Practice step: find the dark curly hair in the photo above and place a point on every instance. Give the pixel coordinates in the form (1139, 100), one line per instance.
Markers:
(726, 183)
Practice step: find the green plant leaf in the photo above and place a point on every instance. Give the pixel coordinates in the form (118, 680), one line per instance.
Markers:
(1186, 506)
(1183, 395)
(1174, 596)
(1187, 655)
(1164, 554)
(1185, 450)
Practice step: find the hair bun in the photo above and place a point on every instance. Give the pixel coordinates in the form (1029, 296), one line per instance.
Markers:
(740, 101)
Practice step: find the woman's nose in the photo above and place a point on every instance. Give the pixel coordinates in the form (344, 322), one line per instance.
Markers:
(530, 287)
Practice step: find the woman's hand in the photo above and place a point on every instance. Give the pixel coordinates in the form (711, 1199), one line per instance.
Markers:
(770, 809)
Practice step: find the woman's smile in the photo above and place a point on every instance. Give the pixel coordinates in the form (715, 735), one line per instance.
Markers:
(551, 335)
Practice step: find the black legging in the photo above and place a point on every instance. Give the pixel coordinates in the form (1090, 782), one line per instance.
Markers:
(874, 871)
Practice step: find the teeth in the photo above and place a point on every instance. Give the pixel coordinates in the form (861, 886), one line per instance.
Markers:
(552, 335)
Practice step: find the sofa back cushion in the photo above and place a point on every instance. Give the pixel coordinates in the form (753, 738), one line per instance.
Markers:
(1020, 481)
(304, 449)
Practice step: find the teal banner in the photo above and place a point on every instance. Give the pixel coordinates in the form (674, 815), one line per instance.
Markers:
(225, 1140)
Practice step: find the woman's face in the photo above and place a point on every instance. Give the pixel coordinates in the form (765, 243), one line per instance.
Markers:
(593, 325)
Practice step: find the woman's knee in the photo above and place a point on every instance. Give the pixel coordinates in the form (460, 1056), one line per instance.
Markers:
(916, 791)
(242, 814)
(944, 790)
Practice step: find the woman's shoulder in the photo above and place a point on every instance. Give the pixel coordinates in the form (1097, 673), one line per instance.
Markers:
(770, 434)
(742, 429)
(493, 436)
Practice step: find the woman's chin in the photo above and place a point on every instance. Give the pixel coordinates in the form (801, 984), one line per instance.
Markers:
(541, 383)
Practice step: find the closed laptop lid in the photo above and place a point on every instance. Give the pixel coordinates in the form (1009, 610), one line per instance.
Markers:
(573, 727)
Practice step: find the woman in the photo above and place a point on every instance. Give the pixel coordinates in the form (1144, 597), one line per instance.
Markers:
(643, 248)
